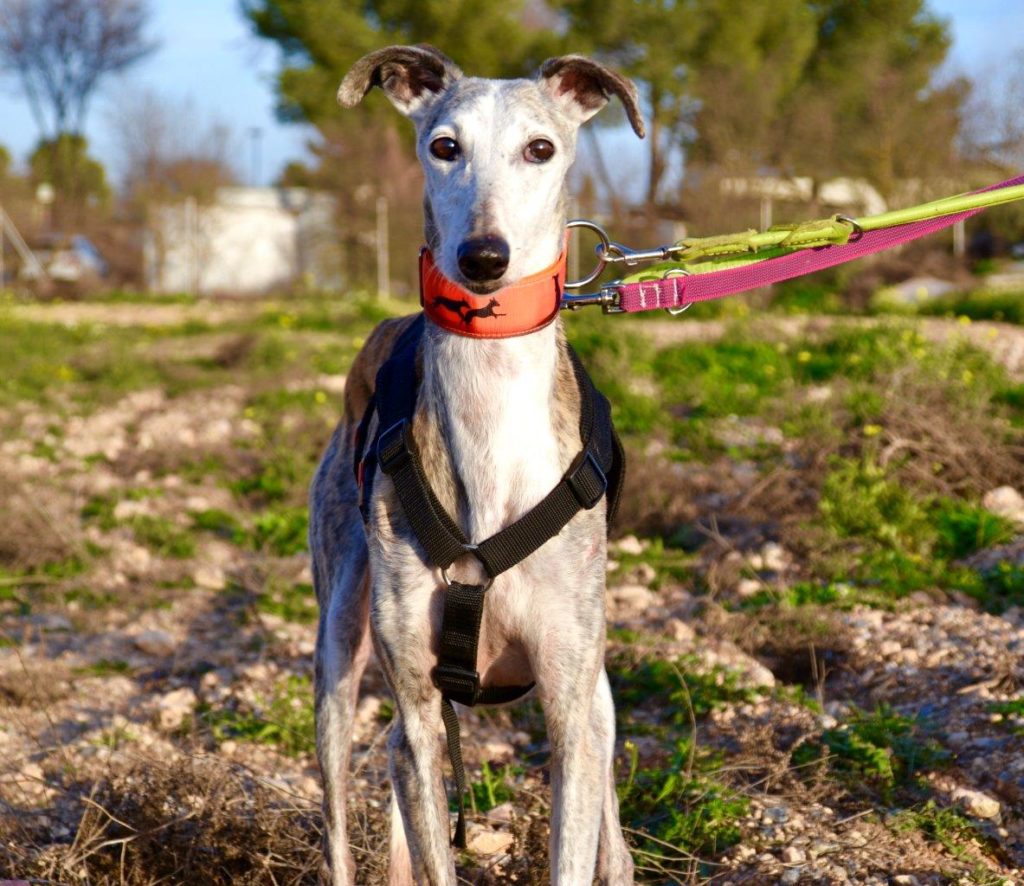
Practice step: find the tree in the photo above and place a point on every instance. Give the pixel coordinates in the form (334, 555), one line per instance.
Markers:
(321, 39)
(168, 150)
(869, 104)
(5, 163)
(61, 51)
(65, 164)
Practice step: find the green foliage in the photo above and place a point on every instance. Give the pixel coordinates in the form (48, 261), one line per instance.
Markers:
(292, 602)
(675, 687)
(105, 667)
(882, 746)
(494, 787)
(321, 40)
(65, 164)
(980, 304)
(680, 804)
(860, 500)
(952, 829)
(285, 720)
(162, 536)
(282, 531)
(964, 529)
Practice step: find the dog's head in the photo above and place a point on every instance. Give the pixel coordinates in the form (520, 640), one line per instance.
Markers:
(496, 153)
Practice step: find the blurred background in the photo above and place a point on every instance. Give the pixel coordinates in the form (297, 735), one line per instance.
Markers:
(190, 146)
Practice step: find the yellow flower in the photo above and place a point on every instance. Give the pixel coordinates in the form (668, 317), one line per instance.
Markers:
(963, 320)
(872, 430)
(320, 397)
(967, 376)
(804, 357)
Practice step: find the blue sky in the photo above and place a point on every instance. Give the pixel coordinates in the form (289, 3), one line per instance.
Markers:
(208, 56)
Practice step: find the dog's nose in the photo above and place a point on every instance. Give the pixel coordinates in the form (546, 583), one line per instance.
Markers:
(483, 258)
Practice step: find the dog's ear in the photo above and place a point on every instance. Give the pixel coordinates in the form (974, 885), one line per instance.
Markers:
(581, 87)
(409, 75)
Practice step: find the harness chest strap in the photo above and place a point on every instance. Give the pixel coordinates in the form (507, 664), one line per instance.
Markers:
(597, 470)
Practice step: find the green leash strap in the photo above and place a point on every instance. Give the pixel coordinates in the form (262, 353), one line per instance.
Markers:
(703, 254)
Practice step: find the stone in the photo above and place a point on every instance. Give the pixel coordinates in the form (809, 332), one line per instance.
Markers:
(210, 578)
(502, 814)
(792, 855)
(748, 587)
(645, 573)
(774, 557)
(1005, 501)
(679, 631)
(976, 803)
(791, 876)
(635, 598)
(155, 642)
(629, 544)
(776, 815)
(485, 842)
(175, 706)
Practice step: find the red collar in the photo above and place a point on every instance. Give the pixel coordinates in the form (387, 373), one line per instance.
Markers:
(523, 307)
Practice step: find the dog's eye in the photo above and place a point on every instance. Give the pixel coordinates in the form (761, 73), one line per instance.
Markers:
(540, 150)
(444, 148)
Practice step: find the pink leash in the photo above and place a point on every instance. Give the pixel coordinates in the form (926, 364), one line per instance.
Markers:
(680, 290)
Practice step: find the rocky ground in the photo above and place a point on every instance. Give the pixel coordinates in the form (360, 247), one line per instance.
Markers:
(157, 627)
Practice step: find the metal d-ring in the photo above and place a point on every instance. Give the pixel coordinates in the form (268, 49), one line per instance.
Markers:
(601, 250)
(678, 272)
(448, 579)
(857, 232)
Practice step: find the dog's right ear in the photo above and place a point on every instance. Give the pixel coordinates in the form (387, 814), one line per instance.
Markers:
(411, 76)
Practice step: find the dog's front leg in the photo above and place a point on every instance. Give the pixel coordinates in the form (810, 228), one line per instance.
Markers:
(416, 777)
(342, 650)
(567, 679)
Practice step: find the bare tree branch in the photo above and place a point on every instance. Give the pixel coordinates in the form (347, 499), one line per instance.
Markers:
(61, 50)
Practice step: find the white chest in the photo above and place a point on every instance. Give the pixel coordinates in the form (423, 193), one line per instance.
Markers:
(495, 400)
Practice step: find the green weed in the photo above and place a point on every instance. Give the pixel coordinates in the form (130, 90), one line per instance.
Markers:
(680, 804)
(162, 536)
(105, 667)
(281, 531)
(675, 687)
(493, 788)
(292, 602)
(285, 720)
(883, 747)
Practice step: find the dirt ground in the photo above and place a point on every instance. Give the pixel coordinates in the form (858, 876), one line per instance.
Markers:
(157, 629)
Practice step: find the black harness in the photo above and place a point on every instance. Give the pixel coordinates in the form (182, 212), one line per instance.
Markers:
(596, 470)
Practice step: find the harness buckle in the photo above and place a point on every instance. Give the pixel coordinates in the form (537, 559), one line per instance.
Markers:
(392, 448)
(588, 482)
(457, 683)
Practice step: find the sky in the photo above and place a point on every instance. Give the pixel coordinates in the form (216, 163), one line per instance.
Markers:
(208, 57)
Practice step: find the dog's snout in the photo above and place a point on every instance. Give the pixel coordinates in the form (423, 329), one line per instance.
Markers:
(483, 258)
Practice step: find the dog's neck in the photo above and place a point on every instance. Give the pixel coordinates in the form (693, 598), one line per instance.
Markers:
(506, 417)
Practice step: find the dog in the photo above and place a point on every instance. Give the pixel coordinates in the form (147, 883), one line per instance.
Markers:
(497, 424)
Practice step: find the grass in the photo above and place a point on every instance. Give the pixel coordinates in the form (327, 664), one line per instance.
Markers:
(284, 720)
(882, 747)
(677, 688)
(679, 805)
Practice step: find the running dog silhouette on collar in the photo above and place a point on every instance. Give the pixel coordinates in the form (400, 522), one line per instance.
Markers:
(486, 311)
(497, 429)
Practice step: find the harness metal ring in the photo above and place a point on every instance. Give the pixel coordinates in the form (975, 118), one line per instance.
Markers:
(858, 231)
(448, 579)
(678, 272)
(601, 250)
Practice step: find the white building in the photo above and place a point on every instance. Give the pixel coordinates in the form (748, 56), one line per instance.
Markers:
(247, 240)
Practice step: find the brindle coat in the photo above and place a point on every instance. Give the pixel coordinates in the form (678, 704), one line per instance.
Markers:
(497, 423)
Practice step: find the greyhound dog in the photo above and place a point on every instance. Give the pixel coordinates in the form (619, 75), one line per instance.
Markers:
(496, 425)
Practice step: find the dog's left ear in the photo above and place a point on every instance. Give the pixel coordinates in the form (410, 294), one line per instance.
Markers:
(409, 75)
(582, 87)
